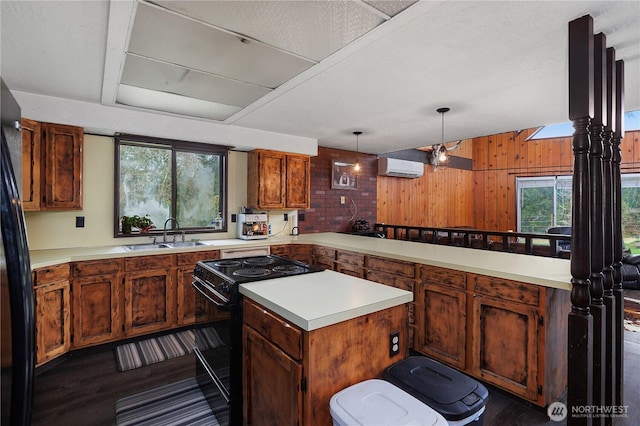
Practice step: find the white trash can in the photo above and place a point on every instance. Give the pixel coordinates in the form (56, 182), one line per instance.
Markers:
(377, 402)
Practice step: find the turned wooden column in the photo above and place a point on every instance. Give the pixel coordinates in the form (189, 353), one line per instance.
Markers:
(618, 134)
(598, 310)
(608, 239)
(580, 321)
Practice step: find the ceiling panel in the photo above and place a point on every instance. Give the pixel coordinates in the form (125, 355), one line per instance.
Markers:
(165, 36)
(161, 76)
(311, 29)
(167, 102)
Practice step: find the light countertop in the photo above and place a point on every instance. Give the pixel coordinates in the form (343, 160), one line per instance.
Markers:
(544, 271)
(319, 299)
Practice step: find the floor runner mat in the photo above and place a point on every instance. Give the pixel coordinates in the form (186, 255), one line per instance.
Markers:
(157, 349)
(177, 404)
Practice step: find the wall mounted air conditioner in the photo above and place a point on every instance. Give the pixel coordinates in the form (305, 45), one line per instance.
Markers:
(400, 168)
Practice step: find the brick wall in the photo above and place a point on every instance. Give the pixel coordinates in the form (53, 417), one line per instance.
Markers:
(326, 213)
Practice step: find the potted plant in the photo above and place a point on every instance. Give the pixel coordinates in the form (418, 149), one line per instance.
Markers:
(143, 223)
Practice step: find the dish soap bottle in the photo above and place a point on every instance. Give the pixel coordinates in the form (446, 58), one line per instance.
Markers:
(218, 221)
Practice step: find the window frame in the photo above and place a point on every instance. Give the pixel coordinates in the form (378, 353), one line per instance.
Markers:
(626, 179)
(174, 145)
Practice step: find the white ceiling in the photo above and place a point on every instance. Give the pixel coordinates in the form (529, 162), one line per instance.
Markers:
(317, 69)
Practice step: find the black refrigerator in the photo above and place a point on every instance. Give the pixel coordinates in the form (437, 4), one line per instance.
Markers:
(17, 302)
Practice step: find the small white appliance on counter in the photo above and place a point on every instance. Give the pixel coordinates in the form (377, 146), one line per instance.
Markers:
(253, 226)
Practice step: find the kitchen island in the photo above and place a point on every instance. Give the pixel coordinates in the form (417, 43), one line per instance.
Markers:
(307, 337)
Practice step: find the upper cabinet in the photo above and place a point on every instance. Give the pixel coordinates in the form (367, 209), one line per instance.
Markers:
(277, 180)
(51, 166)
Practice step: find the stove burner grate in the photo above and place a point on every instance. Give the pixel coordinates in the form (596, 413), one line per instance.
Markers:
(227, 263)
(258, 261)
(289, 269)
(252, 272)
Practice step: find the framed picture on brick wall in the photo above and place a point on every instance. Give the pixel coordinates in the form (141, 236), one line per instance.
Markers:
(342, 176)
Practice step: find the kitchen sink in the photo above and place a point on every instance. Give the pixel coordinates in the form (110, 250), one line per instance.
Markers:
(136, 247)
(184, 244)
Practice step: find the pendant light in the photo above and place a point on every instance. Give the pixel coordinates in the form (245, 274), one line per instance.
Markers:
(356, 165)
(440, 151)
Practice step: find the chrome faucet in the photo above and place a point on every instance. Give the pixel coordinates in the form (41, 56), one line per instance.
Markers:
(164, 232)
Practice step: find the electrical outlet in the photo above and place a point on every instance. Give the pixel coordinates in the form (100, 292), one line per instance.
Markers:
(301, 217)
(343, 199)
(79, 221)
(286, 217)
(234, 218)
(394, 343)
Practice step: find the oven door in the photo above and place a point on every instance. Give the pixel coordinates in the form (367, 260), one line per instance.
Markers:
(214, 351)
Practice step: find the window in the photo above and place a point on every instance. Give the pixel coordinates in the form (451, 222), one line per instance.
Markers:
(631, 122)
(545, 201)
(170, 179)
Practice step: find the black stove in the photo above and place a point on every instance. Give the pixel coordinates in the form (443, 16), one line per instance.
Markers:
(247, 269)
(216, 283)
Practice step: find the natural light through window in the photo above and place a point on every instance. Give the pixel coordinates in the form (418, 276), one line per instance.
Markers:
(631, 122)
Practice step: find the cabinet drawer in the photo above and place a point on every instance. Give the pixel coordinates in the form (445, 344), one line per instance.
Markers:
(148, 262)
(396, 267)
(274, 328)
(350, 258)
(298, 249)
(96, 267)
(448, 277)
(280, 250)
(324, 252)
(403, 283)
(190, 259)
(50, 274)
(507, 290)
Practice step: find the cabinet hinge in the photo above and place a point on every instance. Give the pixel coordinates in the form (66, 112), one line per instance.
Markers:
(303, 384)
(539, 390)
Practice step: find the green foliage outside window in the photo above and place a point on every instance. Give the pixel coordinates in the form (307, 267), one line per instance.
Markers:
(170, 179)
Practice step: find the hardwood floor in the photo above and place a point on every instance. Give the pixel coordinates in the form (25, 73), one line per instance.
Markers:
(83, 389)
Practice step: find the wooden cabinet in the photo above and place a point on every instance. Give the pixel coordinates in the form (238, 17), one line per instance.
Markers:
(324, 256)
(191, 309)
(31, 132)
(399, 274)
(350, 263)
(280, 250)
(272, 369)
(298, 181)
(302, 253)
(96, 302)
(52, 166)
(290, 374)
(441, 319)
(506, 335)
(277, 180)
(52, 312)
(149, 294)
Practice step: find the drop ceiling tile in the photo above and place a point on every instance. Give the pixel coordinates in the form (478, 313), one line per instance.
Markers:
(167, 102)
(161, 76)
(311, 29)
(168, 37)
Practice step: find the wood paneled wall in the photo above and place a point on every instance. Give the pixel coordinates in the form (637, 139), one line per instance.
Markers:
(484, 198)
(441, 198)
